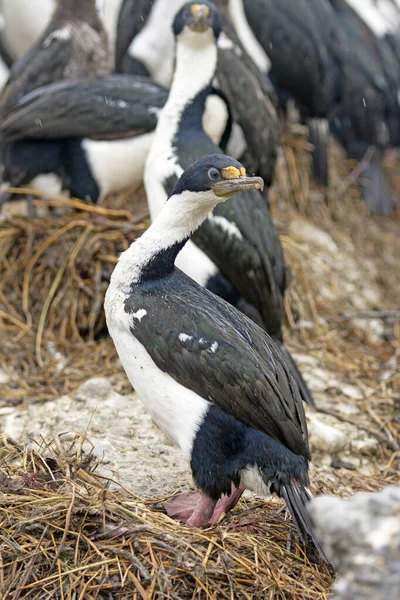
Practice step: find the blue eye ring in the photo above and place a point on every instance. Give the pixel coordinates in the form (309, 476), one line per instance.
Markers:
(214, 174)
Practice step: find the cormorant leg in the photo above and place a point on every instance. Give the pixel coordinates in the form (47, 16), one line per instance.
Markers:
(225, 504)
(193, 509)
(31, 208)
(203, 512)
(181, 507)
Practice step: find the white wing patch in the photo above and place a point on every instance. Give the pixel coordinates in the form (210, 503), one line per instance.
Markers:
(227, 226)
(214, 347)
(59, 34)
(139, 314)
(184, 337)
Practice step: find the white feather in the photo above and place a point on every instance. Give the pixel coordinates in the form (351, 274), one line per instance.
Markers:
(247, 37)
(117, 163)
(381, 16)
(178, 411)
(251, 479)
(59, 34)
(154, 45)
(231, 229)
(139, 314)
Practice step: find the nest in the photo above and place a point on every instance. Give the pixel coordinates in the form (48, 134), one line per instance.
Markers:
(69, 533)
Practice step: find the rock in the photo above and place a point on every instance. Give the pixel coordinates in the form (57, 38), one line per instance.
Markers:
(361, 537)
(98, 388)
(324, 437)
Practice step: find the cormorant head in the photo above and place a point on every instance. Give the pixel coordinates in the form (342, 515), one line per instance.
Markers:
(198, 17)
(213, 179)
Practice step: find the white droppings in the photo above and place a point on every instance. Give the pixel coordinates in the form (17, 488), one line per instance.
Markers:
(139, 314)
(214, 347)
(202, 341)
(184, 337)
(227, 226)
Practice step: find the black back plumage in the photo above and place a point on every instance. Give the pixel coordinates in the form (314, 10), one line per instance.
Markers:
(301, 41)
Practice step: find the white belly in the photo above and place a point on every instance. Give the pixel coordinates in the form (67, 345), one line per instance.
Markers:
(178, 411)
(4, 74)
(24, 22)
(49, 183)
(117, 164)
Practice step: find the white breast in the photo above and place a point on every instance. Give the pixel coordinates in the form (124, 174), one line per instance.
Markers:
(178, 411)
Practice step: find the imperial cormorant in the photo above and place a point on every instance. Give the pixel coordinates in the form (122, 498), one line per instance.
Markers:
(145, 44)
(302, 56)
(25, 21)
(214, 382)
(73, 45)
(368, 116)
(237, 252)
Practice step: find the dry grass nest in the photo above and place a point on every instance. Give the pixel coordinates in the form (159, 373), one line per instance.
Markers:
(66, 532)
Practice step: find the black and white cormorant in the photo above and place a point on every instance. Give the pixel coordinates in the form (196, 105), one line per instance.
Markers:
(237, 252)
(302, 55)
(73, 45)
(214, 382)
(145, 45)
(25, 21)
(368, 115)
(91, 135)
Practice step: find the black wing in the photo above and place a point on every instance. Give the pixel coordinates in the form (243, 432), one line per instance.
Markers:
(211, 348)
(132, 18)
(108, 107)
(368, 114)
(64, 51)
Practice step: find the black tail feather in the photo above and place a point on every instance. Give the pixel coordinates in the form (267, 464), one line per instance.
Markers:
(297, 498)
(375, 189)
(318, 136)
(304, 390)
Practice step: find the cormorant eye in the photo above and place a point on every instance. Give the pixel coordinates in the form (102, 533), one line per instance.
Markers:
(214, 174)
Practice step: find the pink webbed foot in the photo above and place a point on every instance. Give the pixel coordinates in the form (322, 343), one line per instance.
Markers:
(198, 510)
(193, 509)
(181, 507)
